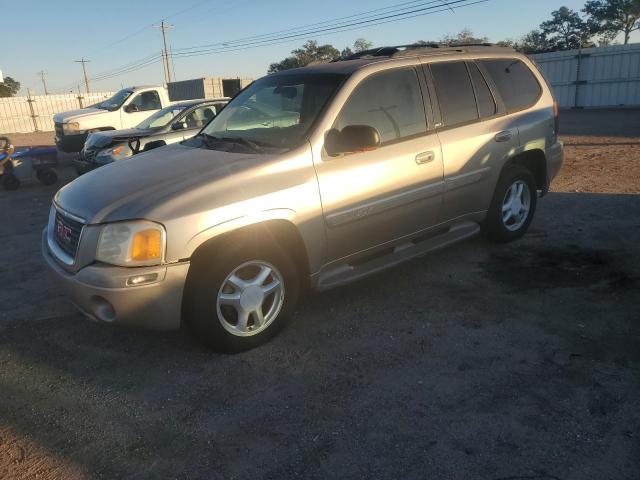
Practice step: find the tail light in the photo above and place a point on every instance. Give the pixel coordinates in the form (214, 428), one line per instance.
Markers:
(556, 119)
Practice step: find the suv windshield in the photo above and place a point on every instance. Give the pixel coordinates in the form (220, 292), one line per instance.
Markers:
(116, 101)
(276, 111)
(161, 118)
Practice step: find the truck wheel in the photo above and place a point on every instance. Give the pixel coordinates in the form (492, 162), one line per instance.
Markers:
(513, 205)
(240, 296)
(10, 181)
(47, 176)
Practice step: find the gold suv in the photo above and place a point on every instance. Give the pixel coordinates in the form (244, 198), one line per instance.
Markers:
(309, 179)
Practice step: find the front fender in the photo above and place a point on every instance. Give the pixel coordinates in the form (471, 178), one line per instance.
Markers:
(237, 223)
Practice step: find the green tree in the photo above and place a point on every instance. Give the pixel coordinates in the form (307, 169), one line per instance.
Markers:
(464, 36)
(361, 44)
(9, 88)
(535, 41)
(310, 52)
(614, 17)
(566, 30)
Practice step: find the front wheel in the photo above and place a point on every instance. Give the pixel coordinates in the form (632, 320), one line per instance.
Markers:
(238, 299)
(513, 205)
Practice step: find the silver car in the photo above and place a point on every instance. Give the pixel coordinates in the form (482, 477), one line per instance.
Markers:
(309, 179)
(172, 124)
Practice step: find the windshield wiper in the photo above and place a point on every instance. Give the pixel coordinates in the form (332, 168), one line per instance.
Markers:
(239, 140)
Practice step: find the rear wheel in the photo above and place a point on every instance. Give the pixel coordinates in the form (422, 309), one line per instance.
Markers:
(47, 176)
(513, 205)
(239, 296)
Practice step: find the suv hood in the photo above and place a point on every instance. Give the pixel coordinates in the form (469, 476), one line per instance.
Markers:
(75, 115)
(142, 185)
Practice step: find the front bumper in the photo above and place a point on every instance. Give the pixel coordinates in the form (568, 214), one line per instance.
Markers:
(70, 143)
(99, 291)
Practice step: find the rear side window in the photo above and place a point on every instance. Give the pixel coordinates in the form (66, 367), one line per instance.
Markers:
(391, 102)
(517, 85)
(486, 103)
(455, 93)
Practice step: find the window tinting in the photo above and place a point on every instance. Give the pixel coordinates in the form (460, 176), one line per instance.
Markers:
(486, 103)
(146, 101)
(517, 85)
(391, 102)
(455, 93)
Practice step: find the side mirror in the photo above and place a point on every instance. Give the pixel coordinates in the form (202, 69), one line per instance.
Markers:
(131, 108)
(353, 138)
(154, 144)
(179, 126)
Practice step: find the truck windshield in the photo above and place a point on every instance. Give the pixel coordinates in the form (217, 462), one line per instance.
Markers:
(275, 112)
(161, 118)
(116, 101)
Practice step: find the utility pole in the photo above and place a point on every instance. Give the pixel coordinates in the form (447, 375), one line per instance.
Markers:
(84, 71)
(44, 82)
(165, 53)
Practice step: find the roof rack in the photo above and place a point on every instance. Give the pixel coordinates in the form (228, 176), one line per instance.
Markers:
(423, 49)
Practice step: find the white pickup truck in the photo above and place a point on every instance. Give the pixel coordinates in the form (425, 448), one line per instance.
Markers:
(125, 109)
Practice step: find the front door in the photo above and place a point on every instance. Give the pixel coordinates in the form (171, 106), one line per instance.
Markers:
(140, 107)
(373, 197)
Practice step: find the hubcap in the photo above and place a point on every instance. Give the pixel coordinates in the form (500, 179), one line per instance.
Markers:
(250, 298)
(516, 206)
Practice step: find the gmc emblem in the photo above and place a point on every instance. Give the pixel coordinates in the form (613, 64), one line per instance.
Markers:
(63, 232)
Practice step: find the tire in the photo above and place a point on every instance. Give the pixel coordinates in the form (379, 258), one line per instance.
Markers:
(507, 225)
(10, 181)
(211, 309)
(47, 176)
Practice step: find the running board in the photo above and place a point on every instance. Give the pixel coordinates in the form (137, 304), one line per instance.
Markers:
(392, 256)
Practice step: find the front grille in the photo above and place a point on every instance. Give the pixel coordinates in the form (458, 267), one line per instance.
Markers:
(59, 130)
(66, 232)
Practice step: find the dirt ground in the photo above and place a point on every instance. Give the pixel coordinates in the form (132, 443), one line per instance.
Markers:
(484, 361)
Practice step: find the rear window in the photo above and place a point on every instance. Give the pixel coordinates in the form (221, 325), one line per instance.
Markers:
(486, 103)
(455, 93)
(516, 84)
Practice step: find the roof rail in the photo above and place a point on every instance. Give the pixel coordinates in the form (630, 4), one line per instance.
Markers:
(423, 49)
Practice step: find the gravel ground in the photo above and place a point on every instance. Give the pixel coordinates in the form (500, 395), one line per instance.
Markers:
(485, 361)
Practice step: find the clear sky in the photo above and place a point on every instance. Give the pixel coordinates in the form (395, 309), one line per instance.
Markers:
(49, 35)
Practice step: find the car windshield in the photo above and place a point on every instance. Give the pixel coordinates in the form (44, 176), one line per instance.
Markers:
(275, 112)
(116, 101)
(161, 118)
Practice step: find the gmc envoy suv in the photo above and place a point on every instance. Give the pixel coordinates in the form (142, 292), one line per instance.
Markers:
(310, 178)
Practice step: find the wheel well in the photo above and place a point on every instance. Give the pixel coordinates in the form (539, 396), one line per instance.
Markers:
(536, 162)
(282, 233)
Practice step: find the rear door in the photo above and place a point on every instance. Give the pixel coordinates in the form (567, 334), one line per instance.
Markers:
(373, 197)
(476, 136)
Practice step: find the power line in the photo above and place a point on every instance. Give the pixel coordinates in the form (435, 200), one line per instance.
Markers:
(378, 20)
(360, 15)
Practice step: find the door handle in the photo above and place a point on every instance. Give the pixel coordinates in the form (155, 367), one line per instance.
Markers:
(504, 136)
(425, 157)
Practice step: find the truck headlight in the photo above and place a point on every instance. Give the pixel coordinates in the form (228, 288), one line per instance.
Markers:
(131, 244)
(71, 128)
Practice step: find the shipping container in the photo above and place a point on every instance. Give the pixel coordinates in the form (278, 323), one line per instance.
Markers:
(209, 87)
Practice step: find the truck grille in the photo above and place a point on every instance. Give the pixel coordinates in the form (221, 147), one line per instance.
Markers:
(67, 234)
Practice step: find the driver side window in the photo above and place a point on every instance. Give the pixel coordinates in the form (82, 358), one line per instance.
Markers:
(146, 101)
(391, 102)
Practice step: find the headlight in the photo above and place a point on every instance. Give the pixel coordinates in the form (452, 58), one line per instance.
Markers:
(116, 152)
(71, 128)
(131, 244)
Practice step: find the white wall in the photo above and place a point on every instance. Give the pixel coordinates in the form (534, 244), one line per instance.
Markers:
(594, 77)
